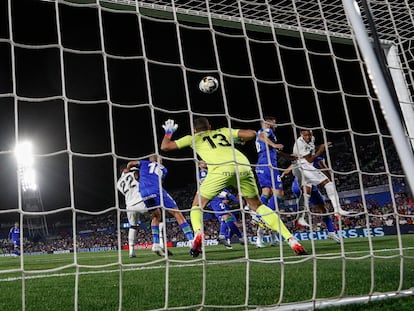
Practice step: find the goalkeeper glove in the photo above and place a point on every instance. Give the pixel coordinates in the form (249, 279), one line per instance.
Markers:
(170, 127)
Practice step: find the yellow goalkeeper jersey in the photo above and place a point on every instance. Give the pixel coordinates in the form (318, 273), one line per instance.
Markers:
(214, 147)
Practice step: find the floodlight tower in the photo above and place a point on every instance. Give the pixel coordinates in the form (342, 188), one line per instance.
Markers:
(31, 199)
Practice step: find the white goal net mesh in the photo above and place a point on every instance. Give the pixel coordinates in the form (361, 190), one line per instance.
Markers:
(90, 83)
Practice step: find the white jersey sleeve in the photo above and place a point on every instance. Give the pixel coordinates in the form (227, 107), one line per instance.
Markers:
(301, 148)
(129, 187)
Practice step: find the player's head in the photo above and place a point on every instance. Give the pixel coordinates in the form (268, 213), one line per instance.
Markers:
(306, 134)
(155, 158)
(122, 167)
(269, 122)
(202, 164)
(223, 195)
(201, 124)
(16, 224)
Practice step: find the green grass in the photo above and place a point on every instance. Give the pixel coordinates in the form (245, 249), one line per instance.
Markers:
(107, 279)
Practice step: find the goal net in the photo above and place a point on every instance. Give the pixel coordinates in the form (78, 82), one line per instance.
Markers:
(91, 82)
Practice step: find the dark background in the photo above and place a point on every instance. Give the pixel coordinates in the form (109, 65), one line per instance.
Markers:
(91, 97)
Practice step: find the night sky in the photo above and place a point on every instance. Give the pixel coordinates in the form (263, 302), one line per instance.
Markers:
(127, 86)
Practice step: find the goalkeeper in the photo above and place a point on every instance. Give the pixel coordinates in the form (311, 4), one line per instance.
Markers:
(226, 165)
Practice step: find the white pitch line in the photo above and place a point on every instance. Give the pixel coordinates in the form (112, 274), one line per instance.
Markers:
(40, 276)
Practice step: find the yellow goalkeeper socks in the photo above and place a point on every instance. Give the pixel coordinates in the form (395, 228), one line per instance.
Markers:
(272, 221)
(196, 216)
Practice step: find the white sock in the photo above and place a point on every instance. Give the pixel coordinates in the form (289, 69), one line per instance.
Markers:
(303, 204)
(292, 242)
(303, 208)
(332, 195)
(306, 198)
(273, 237)
(260, 233)
(161, 234)
(132, 233)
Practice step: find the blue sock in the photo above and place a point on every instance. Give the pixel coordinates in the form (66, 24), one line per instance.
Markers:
(187, 231)
(223, 228)
(234, 229)
(272, 204)
(228, 233)
(329, 223)
(279, 201)
(155, 230)
(264, 198)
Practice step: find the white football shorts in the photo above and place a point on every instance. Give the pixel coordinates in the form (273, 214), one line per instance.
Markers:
(307, 174)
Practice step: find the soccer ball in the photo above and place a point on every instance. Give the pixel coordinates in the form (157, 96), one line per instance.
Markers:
(208, 85)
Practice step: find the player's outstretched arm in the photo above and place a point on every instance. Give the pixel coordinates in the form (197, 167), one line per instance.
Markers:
(132, 164)
(287, 155)
(167, 144)
(321, 149)
(247, 135)
(264, 138)
(324, 168)
(287, 171)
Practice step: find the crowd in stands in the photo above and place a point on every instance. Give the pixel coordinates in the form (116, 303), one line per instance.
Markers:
(102, 230)
(373, 162)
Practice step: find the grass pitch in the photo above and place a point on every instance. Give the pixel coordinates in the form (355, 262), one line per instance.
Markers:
(221, 280)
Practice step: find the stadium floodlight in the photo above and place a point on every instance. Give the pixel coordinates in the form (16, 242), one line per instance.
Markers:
(25, 169)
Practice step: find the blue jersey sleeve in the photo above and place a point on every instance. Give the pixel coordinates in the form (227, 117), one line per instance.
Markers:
(316, 162)
(295, 188)
(164, 172)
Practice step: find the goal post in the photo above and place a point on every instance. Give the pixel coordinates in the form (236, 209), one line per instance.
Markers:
(392, 117)
(402, 90)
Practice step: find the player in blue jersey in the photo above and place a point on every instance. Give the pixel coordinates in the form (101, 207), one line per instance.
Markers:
(14, 236)
(228, 226)
(152, 173)
(267, 172)
(266, 167)
(128, 185)
(227, 167)
(202, 171)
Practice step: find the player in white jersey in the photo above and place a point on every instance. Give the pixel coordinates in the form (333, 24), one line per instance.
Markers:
(128, 185)
(307, 174)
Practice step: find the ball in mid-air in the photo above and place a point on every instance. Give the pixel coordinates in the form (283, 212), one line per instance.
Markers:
(208, 85)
